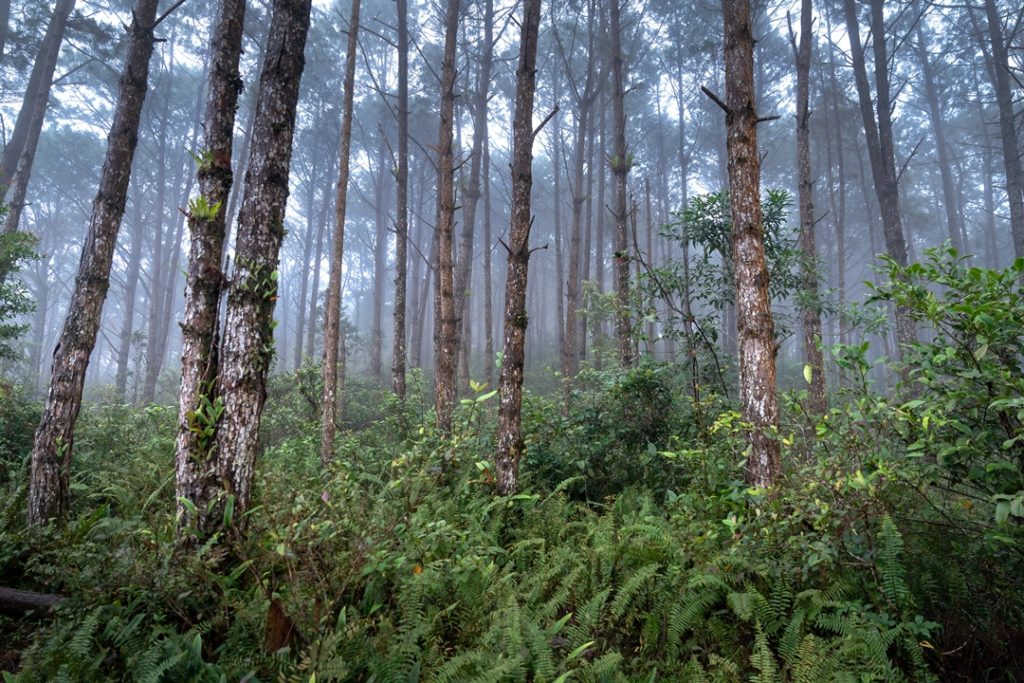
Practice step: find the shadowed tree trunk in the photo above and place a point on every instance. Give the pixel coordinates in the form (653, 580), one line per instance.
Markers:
(248, 346)
(52, 446)
(510, 383)
(444, 293)
(37, 93)
(805, 187)
(488, 250)
(398, 353)
(195, 463)
(755, 327)
(620, 165)
(1001, 77)
(332, 306)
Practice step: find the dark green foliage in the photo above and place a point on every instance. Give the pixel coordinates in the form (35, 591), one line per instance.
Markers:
(15, 249)
(634, 553)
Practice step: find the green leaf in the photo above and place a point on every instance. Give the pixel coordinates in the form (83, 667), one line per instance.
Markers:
(808, 373)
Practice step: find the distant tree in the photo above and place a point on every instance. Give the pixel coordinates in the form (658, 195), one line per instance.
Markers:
(621, 162)
(398, 354)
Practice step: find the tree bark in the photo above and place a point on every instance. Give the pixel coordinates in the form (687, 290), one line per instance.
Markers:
(510, 382)
(195, 462)
(37, 93)
(445, 313)
(813, 356)
(332, 306)
(398, 353)
(755, 327)
(380, 262)
(52, 446)
(620, 165)
(248, 345)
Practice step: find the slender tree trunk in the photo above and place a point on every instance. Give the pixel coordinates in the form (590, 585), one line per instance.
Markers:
(813, 355)
(837, 195)
(755, 327)
(380, 263)
(445, 313)
(332, 312)
(941, 146)
(37, 93)
(599, 255)
(510, 383)
(488, 250)
(304, 267)
(621, 162)
(880, 143)
(398, 354)
(131, 285)
(52, 446)
(315, 293)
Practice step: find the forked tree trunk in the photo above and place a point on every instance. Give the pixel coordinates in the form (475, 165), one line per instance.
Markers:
(195, 462)
(248, 341)
(805, 187)
(755, 327)
(510, 383)
(445, 322)
(332, 307)
(52, 446)
(620, 165)
(398, 353)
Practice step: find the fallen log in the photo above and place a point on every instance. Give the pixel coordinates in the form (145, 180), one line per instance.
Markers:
(14, 601)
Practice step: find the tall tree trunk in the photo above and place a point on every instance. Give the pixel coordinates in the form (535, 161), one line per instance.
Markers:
(837, 194)
(445, 313)
(488, 250)
(755, 327)
(510, 383)
(52, 446)
(880, 143)
(332, 306)
(620, 165)
(814, 358)
(248, 346)
(599, 252)
(196, 475)
(380, 262)
(398, 353)
(37, 93)
(1001, 77)
(471, 197)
